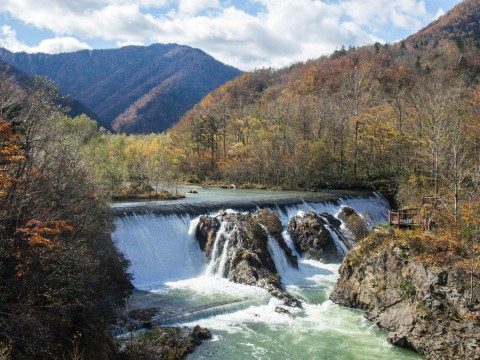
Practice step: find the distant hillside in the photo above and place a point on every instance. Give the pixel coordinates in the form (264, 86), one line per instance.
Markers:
(460, 23)
(74, 106)
(133, 89)
(358, 118)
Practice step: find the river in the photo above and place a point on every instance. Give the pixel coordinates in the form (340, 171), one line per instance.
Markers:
(170, 273)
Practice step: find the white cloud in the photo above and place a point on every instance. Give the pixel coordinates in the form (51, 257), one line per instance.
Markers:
(405, 14)
(129, 43)
(50, 46)
(9, 39)
(440, 12)
(279, 33)
(59, 45)
(196, 6)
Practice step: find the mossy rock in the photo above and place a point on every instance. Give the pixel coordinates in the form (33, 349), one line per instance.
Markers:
(165, 343)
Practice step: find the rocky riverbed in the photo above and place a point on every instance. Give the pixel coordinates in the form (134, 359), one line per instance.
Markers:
(236, 245)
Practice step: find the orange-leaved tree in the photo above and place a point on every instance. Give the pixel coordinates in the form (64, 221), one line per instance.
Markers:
(60, 273)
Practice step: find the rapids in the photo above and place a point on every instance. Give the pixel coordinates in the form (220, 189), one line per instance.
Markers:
(171, 273)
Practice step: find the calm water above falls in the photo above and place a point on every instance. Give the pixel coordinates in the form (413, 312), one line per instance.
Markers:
(170, 270)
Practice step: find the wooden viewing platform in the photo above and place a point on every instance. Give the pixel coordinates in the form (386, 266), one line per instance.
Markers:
(414, 217)
(410, 218)
(404, 218)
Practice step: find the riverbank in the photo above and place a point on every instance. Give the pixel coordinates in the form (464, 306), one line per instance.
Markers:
(416, 288)
(171, 343)
(158, 196)
(246, 321)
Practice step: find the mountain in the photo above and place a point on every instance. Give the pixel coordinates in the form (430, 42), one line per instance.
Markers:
(133, 89)
(460, 23)
(356, 118)
(73, 106)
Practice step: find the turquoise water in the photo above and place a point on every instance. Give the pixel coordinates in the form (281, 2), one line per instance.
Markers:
(321, 330)
(170, 271)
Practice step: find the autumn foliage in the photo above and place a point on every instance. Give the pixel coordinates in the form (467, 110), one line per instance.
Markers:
(368, 117)
(60, 273)
(10, 156)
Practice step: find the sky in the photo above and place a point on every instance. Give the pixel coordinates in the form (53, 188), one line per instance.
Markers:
(248, 34)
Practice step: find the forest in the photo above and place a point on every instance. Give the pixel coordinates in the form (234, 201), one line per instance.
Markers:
(401, 118)
(62, 280)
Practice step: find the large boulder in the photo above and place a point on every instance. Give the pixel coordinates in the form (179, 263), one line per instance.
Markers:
(355, 224)
(237, 249)
(430, 309)
(313, 235)
(205, 232)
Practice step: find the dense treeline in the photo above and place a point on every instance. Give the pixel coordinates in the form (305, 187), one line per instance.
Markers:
(403, 117)
(134, 165)
(360, 117)
(62, 280)
(460, 23)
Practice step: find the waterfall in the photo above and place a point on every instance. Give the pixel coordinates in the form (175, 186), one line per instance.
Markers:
(223, 260)
(218, 261)
(339, 244)
(213, 264)
(162, 247)
(376, 206)
(247, 321)
(281, 263)
(289, 242)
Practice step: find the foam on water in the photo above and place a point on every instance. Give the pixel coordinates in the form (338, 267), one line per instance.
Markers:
(211, 285)
(160, 248)
(235, 322)
(166, 259)
(320, 330)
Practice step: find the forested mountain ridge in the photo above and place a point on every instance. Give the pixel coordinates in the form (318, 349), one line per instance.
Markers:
(133, 89)
(460, 23)
(384, 116)
(72, 106)
(380, 114)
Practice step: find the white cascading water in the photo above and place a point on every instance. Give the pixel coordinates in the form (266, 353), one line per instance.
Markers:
(222, 263)
(213, 264)
(339, 244)
(167, 261)
(163, 248)
(375, 206)
(160, 248)
(281, 263)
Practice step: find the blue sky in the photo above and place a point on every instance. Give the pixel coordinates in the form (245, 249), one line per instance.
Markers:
(247, 34)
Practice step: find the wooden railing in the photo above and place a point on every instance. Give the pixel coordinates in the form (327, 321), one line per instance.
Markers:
(404, 218)
(410, 218)
(415, 217)
(430, 200)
